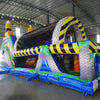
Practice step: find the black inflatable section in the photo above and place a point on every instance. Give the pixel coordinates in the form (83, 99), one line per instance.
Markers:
(37, 37)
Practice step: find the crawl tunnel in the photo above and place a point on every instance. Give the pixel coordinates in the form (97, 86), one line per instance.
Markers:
(37, 37)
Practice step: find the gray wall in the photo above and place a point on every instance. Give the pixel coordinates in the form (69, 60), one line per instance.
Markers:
(92, 38)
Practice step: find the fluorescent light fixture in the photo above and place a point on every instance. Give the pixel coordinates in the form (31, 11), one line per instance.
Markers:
(71, 39)
(98, 38)
(17, 32)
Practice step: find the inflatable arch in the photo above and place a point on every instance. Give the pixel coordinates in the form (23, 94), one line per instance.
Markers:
(63, 25)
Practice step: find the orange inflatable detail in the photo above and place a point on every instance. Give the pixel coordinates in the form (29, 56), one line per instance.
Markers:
(76, 63)
(31, 62)
(8, 33)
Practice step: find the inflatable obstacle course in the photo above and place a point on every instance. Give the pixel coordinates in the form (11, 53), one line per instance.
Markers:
(71, 64)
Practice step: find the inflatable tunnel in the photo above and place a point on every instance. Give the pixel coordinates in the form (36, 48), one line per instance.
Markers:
(61, 55)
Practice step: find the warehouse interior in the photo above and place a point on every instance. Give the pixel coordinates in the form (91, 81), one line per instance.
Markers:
(43, 16)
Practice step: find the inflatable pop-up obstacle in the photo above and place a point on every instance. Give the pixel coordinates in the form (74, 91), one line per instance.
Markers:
(73, 64)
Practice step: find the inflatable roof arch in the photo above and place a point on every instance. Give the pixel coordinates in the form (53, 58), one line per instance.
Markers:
(63, 25)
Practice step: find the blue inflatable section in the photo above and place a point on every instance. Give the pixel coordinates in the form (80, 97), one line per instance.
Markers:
(4, 71)
(29, 74)
(97, 64)
(45, 66)
(13, 38)
(75, 82)
(60, 67)
(34, 76)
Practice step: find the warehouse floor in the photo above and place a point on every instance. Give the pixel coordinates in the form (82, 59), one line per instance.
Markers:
(17, 88)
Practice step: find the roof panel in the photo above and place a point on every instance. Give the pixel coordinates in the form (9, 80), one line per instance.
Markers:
(9, 9)
(92, 7)
(64, 10)
(4, 8)
(2, 5)
(38, 9)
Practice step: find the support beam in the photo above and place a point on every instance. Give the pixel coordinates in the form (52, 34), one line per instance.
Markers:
(47, 19)
(73, 9)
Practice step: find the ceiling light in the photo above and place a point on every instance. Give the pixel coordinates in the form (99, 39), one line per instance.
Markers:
(98, 38)
(17, 32)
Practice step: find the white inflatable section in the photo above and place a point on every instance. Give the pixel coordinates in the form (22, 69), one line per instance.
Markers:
(10, 47)
(50, 60)
(95, 85)
(15, 45)
(55, 36)
(5, 60)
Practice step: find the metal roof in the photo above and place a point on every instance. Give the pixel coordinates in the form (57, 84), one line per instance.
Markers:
(42, 12)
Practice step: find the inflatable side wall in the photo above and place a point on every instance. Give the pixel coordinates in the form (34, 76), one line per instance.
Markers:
(7, 48)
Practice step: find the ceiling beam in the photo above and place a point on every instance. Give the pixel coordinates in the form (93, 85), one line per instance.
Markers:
(30, 7)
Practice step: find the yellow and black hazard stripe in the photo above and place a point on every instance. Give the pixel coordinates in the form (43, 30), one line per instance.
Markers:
(94, 47)
(64, 48)
(19, 44)
(20, 24)
(58, 48)
(66, 24)
(26, 52)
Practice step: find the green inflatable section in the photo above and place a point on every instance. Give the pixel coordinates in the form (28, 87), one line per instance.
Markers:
(8, 46)
(12, 62)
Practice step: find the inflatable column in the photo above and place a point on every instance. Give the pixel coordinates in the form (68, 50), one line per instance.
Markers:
(8, 29)
(30, 29)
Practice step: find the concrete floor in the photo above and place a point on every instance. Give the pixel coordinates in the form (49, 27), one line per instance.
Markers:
(17, 88)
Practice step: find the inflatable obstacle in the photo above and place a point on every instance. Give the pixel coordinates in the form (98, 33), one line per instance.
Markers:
(73, 64)
(7, 58)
